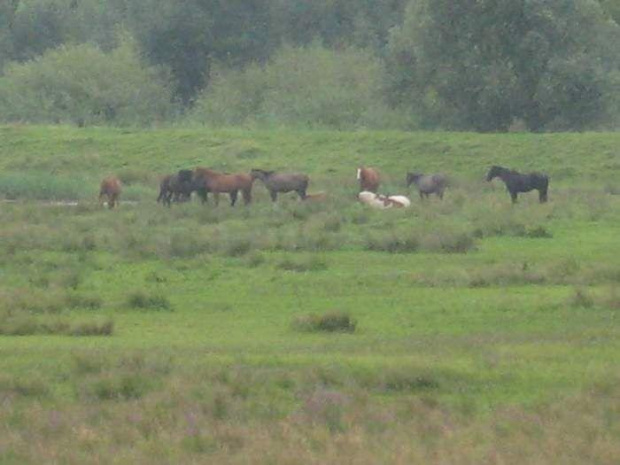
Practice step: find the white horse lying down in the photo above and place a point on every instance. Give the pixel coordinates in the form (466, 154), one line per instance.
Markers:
(383, 201)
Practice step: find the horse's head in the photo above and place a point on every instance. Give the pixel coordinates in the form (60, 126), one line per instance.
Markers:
(494, 172)
(260, 174)
(412, 178)
(185, 175)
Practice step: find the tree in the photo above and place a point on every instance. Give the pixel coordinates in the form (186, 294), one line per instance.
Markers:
(481, 64)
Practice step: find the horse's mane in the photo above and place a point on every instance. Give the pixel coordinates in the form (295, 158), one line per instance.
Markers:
(265, 172)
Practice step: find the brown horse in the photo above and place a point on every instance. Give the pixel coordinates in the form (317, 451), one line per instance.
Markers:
(206, 180)
(111, 188)
(368, 178)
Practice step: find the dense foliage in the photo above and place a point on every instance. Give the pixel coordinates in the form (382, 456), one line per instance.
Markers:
(486, 65)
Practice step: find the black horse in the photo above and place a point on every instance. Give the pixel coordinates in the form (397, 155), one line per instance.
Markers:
(176, 187)
(517, 182)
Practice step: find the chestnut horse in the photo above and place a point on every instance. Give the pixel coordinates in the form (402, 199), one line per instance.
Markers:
(206, 180)
(111, 188)
(368, 178)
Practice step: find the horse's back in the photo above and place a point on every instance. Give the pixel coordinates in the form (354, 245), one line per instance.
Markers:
(110, 185)
(369, 179)
(289, 181)
(400, 201)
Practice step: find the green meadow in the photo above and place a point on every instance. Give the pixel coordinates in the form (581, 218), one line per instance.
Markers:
(462, 331)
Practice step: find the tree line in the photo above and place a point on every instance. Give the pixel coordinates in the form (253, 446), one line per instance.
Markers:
(484, 65)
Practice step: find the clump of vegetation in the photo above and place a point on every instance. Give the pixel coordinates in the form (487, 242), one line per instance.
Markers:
(28, 325)
(393, 243)
(330, 322)
(145, 300)
(538, 232)
(303, 264)
(448, 242)
(236, 246)
(92, 328)
(581, 298)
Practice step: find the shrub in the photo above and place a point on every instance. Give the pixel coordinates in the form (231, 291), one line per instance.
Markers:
(83, 85)
(74, 300)
(305, 86)
(311, 263)
(93, 328)
(393, 243)
(581, 298)
(538, 232)
(328, 322)
(27, 325)
(148, 301)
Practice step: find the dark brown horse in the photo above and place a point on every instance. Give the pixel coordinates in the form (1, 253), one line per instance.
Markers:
(111, 188)
(369, 179)
(206, 180)
(282, 182)
(176, 187)
(517, 182)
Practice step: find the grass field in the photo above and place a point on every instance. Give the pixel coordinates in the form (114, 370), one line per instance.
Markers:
(467, 331)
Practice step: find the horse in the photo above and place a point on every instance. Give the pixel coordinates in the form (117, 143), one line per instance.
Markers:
(206, 180)
(517, 182)
(428, 184)
(383, 202)
(176, 187)
(368, 178)
(111, 188)
(282, 182)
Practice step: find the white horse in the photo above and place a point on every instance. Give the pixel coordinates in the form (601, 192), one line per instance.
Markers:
(382, 201)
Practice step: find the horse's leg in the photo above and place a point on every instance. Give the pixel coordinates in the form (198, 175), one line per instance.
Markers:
(302, 194)
(202, 193)
(233, 197)
(111, 201)
(440, 194)
(274, 195)
(247, 195)
(216, 196)
(513, 196)
(542, 193)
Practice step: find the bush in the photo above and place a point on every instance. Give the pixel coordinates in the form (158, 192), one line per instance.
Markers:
(311, 263)
(393, 243)
(28, 325)
(146, 301)
(306, 86)
(329, 322)
(82, 85)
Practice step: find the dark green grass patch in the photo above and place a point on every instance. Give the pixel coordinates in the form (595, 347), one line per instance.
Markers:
(27, 325)
(331, 322)
(148, 301)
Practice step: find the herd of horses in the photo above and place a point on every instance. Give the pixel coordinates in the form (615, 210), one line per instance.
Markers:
(180, 186)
